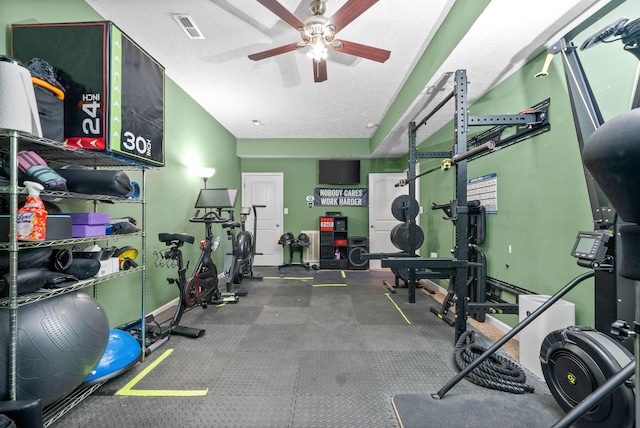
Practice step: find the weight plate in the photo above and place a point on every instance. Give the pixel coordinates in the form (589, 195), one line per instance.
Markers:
(402, 210)
(401, 233)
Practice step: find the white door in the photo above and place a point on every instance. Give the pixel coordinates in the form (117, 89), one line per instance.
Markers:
(265, 189)
(382, 192)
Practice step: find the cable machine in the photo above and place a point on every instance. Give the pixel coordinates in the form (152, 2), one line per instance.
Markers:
(531, 122)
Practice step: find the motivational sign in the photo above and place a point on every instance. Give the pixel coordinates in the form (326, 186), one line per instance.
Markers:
(324, 197)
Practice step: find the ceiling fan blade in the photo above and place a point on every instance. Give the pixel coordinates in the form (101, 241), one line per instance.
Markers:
(364, 51)
(319, 71)
(273, 52)
(350, 11)
(283, 13)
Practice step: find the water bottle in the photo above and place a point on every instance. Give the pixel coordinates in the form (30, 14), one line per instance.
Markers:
(336, 255)
(216, 243)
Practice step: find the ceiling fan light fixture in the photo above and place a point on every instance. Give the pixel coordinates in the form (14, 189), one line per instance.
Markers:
(318, 52)
(318, 33)
(317, 7)
(304, 34)
(329, 33)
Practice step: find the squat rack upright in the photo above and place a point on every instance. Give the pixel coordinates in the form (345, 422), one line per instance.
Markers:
(534, 122)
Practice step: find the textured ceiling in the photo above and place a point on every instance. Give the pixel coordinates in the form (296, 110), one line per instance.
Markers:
(280, 91)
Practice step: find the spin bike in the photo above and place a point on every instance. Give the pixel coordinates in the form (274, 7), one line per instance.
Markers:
(202, 288)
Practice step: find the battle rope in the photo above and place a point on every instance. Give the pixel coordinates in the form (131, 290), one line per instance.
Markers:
(496, 372)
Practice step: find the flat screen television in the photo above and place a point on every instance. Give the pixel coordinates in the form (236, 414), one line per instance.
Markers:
(332, 171)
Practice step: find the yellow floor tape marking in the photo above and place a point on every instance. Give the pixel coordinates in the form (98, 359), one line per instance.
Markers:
(399, 310)
(126, 390)
(329, 285)
(344, 275)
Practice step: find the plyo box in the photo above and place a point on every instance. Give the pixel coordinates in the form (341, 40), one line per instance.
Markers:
(114, 100)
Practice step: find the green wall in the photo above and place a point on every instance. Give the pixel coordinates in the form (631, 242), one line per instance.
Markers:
(193, 139)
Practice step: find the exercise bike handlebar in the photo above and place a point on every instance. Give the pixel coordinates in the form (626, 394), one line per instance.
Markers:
(212, 216)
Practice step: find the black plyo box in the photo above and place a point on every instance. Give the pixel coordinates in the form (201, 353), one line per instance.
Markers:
(114, 90)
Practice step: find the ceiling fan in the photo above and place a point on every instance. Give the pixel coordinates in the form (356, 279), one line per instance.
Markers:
(318, 34)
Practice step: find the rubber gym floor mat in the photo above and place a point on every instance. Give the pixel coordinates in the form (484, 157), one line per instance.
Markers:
(293, 271)
(288, 295)
(377, 309)
(291, 355)
(366, 274)
(330, 277)
(481, 411)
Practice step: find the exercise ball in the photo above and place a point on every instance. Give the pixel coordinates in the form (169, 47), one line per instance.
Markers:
(122, 353)
(59, 342)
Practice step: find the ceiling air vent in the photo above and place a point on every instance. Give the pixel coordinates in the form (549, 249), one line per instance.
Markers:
(189, 26)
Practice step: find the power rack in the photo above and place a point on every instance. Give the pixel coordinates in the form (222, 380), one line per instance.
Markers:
(530, 122)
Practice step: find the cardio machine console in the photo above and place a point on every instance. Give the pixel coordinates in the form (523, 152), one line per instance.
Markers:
(590, 247)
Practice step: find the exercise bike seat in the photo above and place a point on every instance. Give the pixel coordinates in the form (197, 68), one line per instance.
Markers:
(169, 238)
(231, 224)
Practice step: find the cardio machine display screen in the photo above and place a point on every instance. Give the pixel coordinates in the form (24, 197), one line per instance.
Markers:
(590, 245)
(217, 198)
(585, 245)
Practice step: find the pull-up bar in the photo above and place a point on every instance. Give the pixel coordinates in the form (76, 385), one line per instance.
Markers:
(435, 110)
